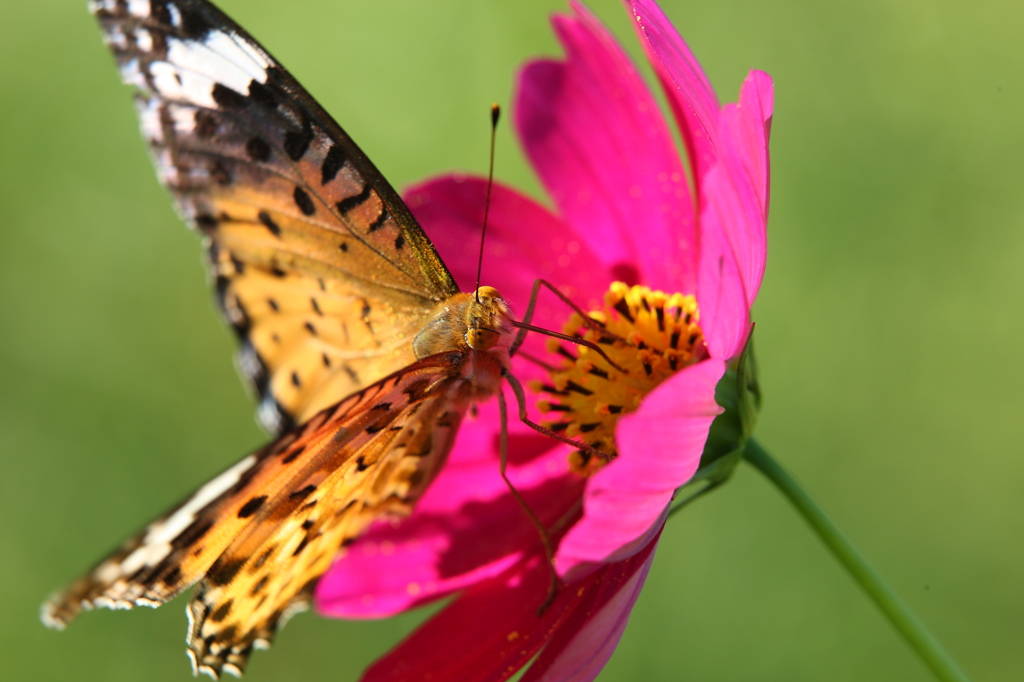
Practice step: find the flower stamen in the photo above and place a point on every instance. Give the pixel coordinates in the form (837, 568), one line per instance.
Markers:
(648, 336)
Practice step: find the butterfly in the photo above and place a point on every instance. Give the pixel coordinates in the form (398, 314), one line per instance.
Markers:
(363, 351)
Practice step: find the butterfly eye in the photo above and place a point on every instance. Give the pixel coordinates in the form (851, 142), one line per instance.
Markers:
(488, 292)
(481, 338)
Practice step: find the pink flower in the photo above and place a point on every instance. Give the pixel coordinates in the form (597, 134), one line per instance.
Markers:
(625, 211)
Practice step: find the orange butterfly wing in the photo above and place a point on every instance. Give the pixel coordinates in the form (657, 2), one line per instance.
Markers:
(319, 265)
(327, 279)
(264, 530)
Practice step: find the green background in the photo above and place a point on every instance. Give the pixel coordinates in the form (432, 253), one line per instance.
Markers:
(889, 327)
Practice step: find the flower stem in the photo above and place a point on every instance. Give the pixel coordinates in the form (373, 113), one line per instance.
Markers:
(894, 608)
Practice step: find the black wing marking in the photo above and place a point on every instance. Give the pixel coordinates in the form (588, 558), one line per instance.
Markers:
(316, 486)
(284, 196)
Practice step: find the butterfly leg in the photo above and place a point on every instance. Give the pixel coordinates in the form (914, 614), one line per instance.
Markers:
(517, 389)
(524, 325)
(545, 537)
(531, 306)
(527, 316)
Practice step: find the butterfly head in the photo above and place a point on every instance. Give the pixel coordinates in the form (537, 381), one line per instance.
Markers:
(480, 321)
(487, 319)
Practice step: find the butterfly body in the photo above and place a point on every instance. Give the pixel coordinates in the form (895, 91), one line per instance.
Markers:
(363, 352)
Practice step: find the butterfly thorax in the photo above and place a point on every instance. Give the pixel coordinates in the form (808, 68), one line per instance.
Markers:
(480, 325)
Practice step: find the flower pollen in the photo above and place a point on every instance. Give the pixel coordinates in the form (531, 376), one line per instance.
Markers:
(649, 334)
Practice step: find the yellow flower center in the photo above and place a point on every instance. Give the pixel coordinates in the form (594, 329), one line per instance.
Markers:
(650, 335)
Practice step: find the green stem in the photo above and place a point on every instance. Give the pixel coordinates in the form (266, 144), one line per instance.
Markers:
(898, 613)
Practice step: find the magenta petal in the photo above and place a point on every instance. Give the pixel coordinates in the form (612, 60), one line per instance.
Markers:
(751, 130)
(744, 129)
(485, 635)
(659, 449)
(585, 642)
(449, 542)
(493, 629)
(734, 217)
(721, 296)
(688, 90)
(596, 137)
(524, 241)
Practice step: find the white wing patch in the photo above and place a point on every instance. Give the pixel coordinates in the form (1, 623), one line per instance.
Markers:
(104, 5)
(116, 39)
(137, 8)
(132, 75)
(157, 543)
(155, 546)
(255, 52)
(186, 69)
(219, 58)
(184, 118)
(149, 119)
(143, 39)
(175, 15)
(240, 52)
(174, 84)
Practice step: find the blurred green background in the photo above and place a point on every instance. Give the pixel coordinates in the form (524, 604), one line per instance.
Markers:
(889, 327)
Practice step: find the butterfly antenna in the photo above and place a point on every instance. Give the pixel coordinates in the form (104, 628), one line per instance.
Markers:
(495, 114)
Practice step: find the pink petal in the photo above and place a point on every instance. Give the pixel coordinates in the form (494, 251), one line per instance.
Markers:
(596, 137)
(524, 241)
(721, 297)
(583, 645)
(744, 128)
(734, 218)
(686, 86)
(753, 128)
(449, 541)
(486, 634)
(493, 629)
(659, 449)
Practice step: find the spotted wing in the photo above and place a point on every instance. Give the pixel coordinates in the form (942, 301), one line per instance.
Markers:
(261, 533)
(319, 265)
